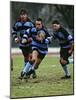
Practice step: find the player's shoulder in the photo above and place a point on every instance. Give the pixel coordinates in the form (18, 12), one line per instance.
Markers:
(64, 31)
(45, 30)
(33, 29)
(29, 23)
(18, 23)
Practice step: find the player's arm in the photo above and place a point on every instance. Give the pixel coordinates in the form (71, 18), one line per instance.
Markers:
(70, 39)
(26, 37)
(14, 34)
(49, 38)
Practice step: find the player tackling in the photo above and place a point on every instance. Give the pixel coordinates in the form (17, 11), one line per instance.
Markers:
(40, 40)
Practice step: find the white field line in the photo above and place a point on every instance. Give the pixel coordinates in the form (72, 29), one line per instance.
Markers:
(50, 50)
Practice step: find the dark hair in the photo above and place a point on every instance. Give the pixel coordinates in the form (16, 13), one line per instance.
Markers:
(39, 19)
(55, 22)
(23, 11)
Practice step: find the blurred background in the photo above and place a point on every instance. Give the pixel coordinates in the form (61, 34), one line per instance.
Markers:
(48, 12)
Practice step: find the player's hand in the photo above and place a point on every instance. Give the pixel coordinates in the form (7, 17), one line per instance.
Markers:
(17, 40)
(70, 51)
(24, 41)
(29, 40)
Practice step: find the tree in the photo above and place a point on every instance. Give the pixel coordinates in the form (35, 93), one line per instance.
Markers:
(67, 12)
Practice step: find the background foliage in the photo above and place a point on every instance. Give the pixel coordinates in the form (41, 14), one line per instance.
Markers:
(48, 12)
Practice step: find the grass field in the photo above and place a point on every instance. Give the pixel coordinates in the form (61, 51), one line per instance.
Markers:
(48, 82)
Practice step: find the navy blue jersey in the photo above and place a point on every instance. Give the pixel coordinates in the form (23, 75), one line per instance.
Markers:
(20, 28)
(65, 39)
(42, 47)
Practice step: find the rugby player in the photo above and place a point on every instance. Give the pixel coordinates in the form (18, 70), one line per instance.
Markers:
(22, 24)
(40, 43)
(66, 46)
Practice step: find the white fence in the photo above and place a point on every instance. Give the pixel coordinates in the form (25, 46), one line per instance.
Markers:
(50, 50)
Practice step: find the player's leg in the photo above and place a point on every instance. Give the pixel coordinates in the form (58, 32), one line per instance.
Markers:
(33, 61)
(65, 68)
(29, 68)
(37, 58)
(26, 53)
(40, 58)
(64, 62)
(38, 63)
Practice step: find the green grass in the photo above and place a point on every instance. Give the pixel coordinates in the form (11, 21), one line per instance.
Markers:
(48, 82)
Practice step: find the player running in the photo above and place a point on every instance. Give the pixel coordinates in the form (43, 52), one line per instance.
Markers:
(40, 43)
(66, 46)
(23, 23)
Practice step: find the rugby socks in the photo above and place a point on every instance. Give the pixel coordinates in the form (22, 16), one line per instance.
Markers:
(31, 70)
(27, 67)
(25, 62)
(66, 70)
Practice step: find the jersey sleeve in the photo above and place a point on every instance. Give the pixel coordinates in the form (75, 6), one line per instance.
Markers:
(14, 31)
(32, 25)
(25, 37)
(47, 37)
(48, 40)
(70, 38)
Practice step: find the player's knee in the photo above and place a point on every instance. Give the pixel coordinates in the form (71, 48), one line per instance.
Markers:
(36, 67)
(34, 60)
(37, 64)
